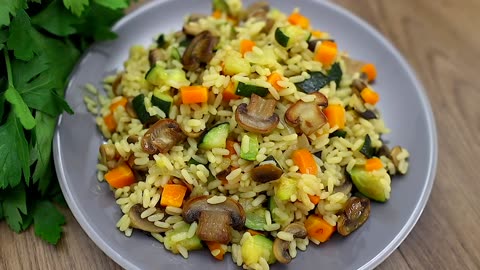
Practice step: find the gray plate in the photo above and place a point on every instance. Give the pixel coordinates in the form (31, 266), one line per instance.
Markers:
(404, 106)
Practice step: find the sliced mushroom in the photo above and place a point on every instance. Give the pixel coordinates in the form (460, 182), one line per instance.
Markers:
(367, 114)
(258, 9)
(307, 116)
(199, 51)
(281, 247)
(258, 116)
(357, 86)
(132, 139)
(266, 172)
(137, 222)
(355, 213)
(312, 44)
(162, 136)
(130, 110)
(214, 220)
(116, 85)
(157, 55)
(108, 154)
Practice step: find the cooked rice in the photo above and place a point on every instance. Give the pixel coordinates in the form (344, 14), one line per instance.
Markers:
(186, 164)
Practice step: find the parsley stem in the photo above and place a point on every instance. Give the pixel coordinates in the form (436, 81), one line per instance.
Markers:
(9, 68)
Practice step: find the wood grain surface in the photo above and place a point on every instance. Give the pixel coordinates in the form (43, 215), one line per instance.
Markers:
(440, 40)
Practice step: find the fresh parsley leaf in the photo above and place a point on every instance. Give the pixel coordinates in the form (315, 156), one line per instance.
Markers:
(113, 4)
(48, 221)
(9, 7)
(43, 131)
(3, 37)
(14, 203)
(76, 6)
(98, 20)
(20, 108)
(57, 20)
(27, 220)
(14, 154)
(21, 39)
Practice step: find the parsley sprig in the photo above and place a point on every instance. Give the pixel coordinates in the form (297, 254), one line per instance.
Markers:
(40, 42)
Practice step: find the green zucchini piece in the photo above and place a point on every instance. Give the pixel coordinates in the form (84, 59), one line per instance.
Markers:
(138, 104)
(367, 149)
(175, 78)
(216, 137)
(246, 90)
(163, 102)
(373, 186)
(286, 188)
(317, 81)
(193, 243)
(338, 133)
(253, 146)
(335, 73)
(287, 36)
(256, 219)
(176, 54)
(256, 247)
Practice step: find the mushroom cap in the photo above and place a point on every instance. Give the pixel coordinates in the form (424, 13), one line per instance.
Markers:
(162, 136)
(195, 206)
(258, 116)
(266, 172)
(281, 247)
(355, 214)
(142, 223)
(199, 51)
(307, 116)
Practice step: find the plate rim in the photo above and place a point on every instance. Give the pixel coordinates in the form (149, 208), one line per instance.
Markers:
(372, 263)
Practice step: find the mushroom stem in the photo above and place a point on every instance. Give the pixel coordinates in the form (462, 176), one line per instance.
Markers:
(214, 226)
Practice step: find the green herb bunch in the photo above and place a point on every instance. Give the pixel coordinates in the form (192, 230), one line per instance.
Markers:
(40, 42)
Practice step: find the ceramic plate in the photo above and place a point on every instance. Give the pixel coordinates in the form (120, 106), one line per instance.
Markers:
(404, 106)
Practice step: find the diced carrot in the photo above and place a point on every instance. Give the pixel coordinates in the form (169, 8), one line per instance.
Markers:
(335, 114)
(305, 161)
(122, 102)
(231, 147)
(213, 246)
(317, 34)
(121, 176)
(217, 14)
(273, 79)
(373, 164)
(318, 228)
(370, 71)
(110, 122)
(194, 94)
(246, 45)
(326, 53)
(252, 232)
(314, 199)
(370, 96)
(173, 194)
(300, 20)
(330, 43)
(229, 92)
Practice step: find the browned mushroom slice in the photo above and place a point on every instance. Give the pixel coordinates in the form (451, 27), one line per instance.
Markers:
(307, 116)
(266, 172)
(137, 222)
(357, 86)
(199, 51)
(258, 116)
(356, 212)
(162, 136)
(132, 139)
(281, 247)
(214, 220)
(108, 154)
(156, 55)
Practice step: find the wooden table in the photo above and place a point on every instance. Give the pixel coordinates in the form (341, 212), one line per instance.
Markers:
(440, 40)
